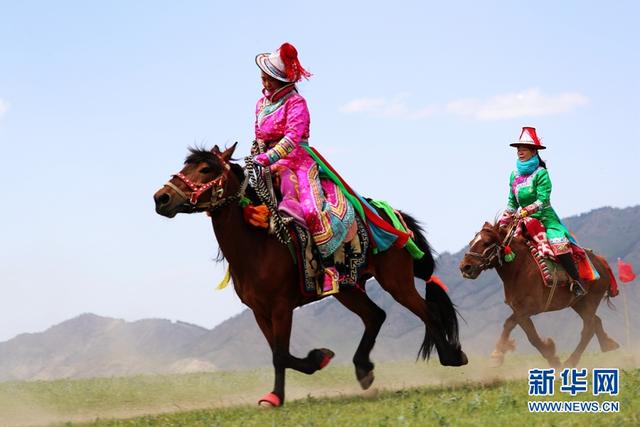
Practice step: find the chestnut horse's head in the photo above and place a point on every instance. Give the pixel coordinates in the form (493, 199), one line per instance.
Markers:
(201, 184)
(485, 251)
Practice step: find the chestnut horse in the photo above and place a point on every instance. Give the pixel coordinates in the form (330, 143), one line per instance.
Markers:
(527, 295)
(267, 280)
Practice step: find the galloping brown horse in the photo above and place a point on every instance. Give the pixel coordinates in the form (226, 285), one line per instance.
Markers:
(527, 295)
(266, 278)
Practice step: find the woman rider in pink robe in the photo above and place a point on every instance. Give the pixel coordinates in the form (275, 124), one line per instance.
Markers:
(282, 123)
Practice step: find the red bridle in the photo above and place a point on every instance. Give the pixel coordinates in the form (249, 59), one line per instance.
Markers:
(197, 190)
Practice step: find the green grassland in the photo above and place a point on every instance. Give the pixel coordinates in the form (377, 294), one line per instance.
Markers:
(405, 393)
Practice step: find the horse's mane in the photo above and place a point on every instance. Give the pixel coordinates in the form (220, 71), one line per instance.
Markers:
(201, 155)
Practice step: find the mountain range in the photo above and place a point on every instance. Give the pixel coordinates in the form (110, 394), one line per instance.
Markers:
(91, 345)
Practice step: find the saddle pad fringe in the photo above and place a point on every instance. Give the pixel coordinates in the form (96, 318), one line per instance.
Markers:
(546, 267)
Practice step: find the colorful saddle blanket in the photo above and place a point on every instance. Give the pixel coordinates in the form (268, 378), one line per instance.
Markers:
(551, 271)
(349, 259)
(383, 234)
(540, 248)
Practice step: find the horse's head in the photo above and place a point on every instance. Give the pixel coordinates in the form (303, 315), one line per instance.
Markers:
(485, 251)
(201, 185)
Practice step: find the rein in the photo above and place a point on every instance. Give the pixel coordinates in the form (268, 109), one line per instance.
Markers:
(264, 192)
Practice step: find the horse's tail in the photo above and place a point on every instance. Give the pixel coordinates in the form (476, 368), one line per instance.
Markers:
(440, 309)
(423, 267)
(443, 315)
(612, 291)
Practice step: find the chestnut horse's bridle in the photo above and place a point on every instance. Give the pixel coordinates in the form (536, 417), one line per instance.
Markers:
(491, 256)
(488, 256)
(217, 186)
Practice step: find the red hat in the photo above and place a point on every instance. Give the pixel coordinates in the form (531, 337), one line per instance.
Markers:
(283, 64)
(529, 138)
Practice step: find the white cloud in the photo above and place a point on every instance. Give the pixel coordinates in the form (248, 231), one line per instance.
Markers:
(395, 107)
(363, 105)
(528, 103)
(4, 106)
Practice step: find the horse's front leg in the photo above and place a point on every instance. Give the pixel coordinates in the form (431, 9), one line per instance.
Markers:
(546, 347)
(281, 320)
(504, 344)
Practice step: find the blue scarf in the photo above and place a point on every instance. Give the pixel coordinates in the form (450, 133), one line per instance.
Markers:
(527, 167)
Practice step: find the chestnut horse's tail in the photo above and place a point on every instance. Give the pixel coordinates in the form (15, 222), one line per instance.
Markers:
(441, 311)
(613, 284)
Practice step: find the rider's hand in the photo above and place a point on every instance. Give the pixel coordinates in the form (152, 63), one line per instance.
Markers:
(255, 145)
(262, 160)
(522, 213)
(506, 218)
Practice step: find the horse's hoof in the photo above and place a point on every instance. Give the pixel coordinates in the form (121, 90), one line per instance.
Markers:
(270, 400)
(463, 358)
(365, 378)
(571, 362)
(459, 359)
(372, 393)
(497, 359)
(555, 362)
(496, 362)
(327, 355)
(550, 347)
(609, 345)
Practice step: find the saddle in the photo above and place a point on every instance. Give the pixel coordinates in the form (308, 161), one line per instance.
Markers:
(349, 258)
(551, 271)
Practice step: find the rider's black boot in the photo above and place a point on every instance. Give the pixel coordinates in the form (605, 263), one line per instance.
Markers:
(566, 260)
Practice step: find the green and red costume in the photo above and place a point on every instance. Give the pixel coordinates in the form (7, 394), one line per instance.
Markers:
(533, 194)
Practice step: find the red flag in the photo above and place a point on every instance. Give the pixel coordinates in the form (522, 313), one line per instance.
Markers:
(625, 272)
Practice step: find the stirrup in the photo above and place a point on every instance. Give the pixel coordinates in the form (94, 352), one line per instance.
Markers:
(335, 286)
(577, 288)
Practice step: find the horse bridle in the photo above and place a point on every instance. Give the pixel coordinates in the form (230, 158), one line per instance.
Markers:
(492, 252)
(488, 256)
(217, 186)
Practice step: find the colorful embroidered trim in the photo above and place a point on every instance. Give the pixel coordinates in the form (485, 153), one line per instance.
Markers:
(280, 150)
(411, 247)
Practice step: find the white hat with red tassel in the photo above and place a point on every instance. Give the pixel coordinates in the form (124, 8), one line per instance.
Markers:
(529, 138)
(283, 64)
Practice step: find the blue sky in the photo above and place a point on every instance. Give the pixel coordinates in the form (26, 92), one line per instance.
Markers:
(414, 103)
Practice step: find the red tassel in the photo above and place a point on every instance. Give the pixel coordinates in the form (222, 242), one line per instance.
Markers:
(292, 68)
(436, 281)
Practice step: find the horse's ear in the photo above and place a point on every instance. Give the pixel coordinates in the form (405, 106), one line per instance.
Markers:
(226, 155)
(215, 149)
(487, 224)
